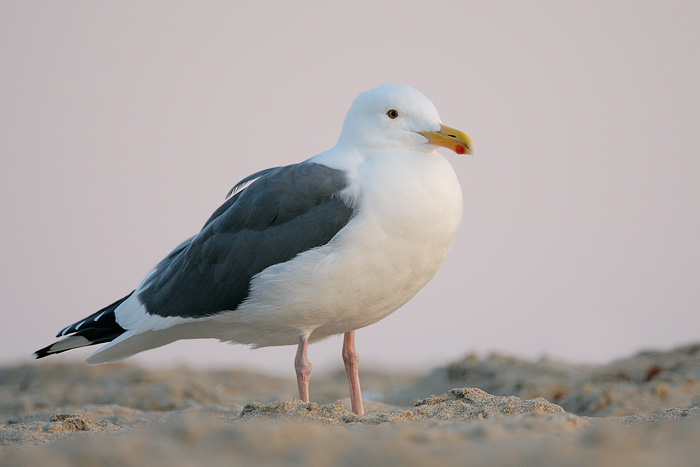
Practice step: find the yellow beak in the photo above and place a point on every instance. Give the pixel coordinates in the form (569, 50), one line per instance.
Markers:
(449, 138)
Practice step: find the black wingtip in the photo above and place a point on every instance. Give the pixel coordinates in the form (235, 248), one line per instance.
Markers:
(45, 352)
(105, 314)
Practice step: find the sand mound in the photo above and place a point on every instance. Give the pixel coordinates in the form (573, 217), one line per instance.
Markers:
(457, 404)
(646, 382)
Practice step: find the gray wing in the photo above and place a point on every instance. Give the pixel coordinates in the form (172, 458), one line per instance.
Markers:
(286, 211)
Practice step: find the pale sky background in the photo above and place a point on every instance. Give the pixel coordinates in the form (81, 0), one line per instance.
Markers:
(124, 124)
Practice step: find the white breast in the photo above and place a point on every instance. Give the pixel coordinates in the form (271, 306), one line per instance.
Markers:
(409, 206)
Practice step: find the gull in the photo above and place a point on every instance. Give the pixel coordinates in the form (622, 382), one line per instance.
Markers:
(306, 251)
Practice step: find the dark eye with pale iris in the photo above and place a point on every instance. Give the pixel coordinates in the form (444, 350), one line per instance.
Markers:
(392, 114)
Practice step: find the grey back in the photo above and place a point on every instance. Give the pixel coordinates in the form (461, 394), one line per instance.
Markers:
(284, 212)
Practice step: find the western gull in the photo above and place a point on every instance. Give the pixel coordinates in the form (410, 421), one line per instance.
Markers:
(305, 251)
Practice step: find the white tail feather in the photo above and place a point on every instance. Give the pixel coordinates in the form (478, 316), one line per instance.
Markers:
(129, 344)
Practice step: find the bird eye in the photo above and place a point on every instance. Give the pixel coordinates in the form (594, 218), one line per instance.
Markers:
(392, 114)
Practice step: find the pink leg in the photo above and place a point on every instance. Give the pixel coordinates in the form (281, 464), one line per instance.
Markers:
(303, 367)
(350, 358)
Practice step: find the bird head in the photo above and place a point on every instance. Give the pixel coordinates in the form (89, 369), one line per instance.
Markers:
(399, 117)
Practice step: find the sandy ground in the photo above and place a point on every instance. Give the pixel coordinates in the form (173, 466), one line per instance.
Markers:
(643, 410)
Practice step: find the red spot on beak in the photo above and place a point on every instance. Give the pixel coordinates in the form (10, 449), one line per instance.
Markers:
(460, 149)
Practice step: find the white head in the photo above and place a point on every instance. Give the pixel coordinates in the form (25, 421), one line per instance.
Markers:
(399, 117)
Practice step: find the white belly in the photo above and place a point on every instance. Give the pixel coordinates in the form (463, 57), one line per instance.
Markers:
(404, 227)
